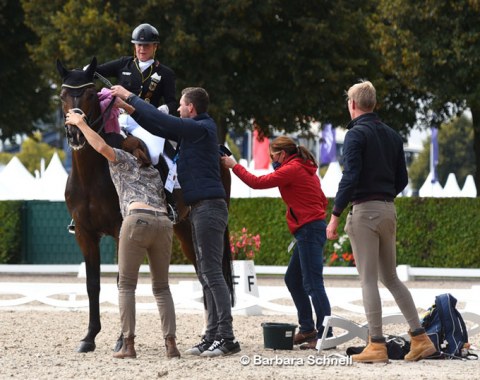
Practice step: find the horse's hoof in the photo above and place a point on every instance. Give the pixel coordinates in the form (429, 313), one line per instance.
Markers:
(86, 347)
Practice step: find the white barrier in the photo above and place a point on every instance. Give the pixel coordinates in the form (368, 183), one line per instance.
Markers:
(187, 296)
(405, 272)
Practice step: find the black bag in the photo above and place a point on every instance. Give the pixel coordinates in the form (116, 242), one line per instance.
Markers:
(397, 348)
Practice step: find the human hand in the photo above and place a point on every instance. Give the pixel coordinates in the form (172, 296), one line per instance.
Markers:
(75, 118)
(120, 92)
(119, 103)
(332, 233)
(228, 162)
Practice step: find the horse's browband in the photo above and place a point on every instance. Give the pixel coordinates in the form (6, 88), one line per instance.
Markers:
(81, 86)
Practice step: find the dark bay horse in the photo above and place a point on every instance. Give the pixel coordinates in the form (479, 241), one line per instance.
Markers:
(91, 197)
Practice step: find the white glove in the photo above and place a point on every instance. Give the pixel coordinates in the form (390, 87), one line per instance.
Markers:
(164, 108)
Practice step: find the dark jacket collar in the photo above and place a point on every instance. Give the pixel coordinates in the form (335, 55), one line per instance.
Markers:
(365, 118)
(202, 116)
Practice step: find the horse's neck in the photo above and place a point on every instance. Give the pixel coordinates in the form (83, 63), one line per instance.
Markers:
(88, 165)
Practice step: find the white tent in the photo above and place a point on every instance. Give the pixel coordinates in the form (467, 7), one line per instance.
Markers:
(430, 189)
(331, 179)
(51, 185)
(16, 182)
(451, 188)
(469, 189)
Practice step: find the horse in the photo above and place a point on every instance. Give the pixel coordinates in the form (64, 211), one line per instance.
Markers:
(92, 200)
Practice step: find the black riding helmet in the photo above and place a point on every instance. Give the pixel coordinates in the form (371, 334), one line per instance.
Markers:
(145, 34)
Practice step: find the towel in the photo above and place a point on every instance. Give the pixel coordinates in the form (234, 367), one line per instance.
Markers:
(111, 123)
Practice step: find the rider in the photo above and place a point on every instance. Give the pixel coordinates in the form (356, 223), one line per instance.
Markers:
(146, 77)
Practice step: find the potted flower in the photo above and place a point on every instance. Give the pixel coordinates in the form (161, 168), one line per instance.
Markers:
(244, 245)
(342, 255)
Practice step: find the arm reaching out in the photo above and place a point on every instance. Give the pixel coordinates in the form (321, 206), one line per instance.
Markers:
(94, 139)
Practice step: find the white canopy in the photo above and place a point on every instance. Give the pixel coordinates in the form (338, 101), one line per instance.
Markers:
(51, 185)
(469, 188)
(430, 189)
(331, 179)
(451, 188)
(16, 182)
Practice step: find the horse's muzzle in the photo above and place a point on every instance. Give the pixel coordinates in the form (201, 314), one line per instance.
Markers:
(75, 137)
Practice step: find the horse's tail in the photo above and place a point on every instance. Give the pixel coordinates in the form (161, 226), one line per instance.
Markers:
(227, 265)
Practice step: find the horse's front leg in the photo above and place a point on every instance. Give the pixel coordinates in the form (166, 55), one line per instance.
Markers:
(91, 253)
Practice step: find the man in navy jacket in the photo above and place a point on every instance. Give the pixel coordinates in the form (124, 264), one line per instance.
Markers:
(199, 175)
(374, 172)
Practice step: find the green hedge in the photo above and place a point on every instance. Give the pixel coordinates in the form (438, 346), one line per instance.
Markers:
(432, 232)
(10, 232)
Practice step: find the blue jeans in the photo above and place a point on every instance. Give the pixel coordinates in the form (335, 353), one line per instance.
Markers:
(209, 220)
(304, 276)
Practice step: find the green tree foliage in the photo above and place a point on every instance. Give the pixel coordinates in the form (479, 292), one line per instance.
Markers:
(74, 32)
(23, 92)
(456, 155)
(431, 47)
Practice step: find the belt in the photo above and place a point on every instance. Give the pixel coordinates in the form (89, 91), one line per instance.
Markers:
(147, 211)
(381, 199)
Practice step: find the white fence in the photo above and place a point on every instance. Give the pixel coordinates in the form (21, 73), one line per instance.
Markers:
(405, 272)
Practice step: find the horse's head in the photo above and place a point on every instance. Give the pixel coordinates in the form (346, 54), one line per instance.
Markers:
(78, 91)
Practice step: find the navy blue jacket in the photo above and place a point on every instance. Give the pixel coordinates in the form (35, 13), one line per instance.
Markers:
(128, 74)
(373, 162)
(198, 161)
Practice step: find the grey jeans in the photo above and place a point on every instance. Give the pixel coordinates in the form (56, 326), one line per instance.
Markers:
(372, 227)
(150, 235)
(209, 220)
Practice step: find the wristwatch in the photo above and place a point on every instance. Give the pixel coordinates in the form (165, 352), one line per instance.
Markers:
(129, 98)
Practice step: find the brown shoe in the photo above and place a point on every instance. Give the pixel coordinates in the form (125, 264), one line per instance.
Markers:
(373, 353)
(421, 347)
(128, 349)
(171, 347)
(302, 337)
(310, 345)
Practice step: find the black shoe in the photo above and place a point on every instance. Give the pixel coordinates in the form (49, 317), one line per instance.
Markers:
(71, 227)
(222, 347)
(199, 348)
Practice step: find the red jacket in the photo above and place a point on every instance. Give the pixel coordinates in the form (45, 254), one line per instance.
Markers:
(299, 186)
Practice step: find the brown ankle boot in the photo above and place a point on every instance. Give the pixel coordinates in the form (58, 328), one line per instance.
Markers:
(171, 347)
(420, 347)
(373, 353)
(128, 349)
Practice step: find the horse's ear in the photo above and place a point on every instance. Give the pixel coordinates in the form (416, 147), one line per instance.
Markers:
(61, 69)
(91, 68)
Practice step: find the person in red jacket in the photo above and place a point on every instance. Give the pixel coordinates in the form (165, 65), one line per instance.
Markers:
(296, 177)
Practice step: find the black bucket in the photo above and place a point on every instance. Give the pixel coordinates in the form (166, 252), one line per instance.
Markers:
(278, 336)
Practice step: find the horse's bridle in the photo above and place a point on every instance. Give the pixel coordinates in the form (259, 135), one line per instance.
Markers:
(76, 95)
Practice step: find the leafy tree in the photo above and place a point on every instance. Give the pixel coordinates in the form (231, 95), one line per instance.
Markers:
(5, 157)
(456, 155)
(431, 48)
(75, 32)
(24, 93)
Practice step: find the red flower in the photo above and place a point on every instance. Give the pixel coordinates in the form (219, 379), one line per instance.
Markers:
(243, 245)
